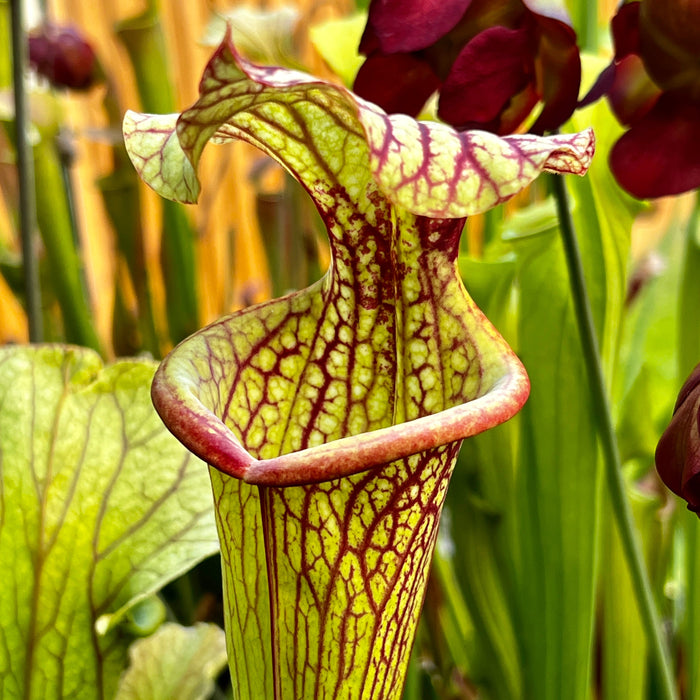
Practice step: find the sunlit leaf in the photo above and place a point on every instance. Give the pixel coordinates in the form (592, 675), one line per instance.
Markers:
(175, 663)
(99, 507)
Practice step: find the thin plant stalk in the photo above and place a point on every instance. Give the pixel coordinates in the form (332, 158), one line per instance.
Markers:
(613, 468)
(25, 169)
(53, 212)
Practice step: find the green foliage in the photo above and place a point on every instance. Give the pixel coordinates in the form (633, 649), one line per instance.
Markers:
(143, 38)
(55, 220)
(535, 504)
(99, 508)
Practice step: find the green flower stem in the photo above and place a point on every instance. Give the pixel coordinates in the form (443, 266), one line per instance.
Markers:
(25, 168)
(613, 467)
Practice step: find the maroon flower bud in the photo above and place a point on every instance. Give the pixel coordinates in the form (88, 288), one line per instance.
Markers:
(678, 451)
(63, 57)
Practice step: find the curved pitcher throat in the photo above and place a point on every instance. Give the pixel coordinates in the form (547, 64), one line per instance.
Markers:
(381, 340)
(381, 359)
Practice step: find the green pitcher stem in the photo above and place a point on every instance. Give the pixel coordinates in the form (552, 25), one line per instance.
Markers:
(608, 440)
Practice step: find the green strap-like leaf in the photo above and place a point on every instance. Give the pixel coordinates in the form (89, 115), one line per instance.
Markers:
(383, 365)
(99, 507)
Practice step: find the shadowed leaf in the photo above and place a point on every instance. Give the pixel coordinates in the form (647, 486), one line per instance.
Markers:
(175, 663)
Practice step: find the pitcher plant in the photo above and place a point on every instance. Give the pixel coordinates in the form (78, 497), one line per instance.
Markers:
(332, 417)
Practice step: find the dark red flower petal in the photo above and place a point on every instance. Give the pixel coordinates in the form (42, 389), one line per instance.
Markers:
(678, 451)
(515, 114)
(409, 25)
(692, 383)
(625, 30)
(670, 44)
(559, 73)
(602, 86)
(63, 57)
(632, 93)
(491, 69)
(660, 154)
(369, 43)
(398, 82)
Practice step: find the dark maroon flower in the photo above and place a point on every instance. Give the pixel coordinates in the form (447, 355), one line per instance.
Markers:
(653, 86)
(63, 57)
(491, 62)
(678, 451)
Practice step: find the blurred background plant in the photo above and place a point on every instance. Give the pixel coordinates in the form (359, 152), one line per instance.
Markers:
(531, 596)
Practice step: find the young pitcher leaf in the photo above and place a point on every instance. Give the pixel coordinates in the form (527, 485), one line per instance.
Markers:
(99, 507)
(342, 405)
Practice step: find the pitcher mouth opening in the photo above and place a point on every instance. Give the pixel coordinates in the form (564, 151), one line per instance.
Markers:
(207, 435)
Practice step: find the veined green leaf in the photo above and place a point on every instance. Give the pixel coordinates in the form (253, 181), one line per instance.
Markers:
(175, 663)
(99, 507)
(340, 407)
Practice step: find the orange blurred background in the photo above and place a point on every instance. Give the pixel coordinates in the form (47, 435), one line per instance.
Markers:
(231, 263)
